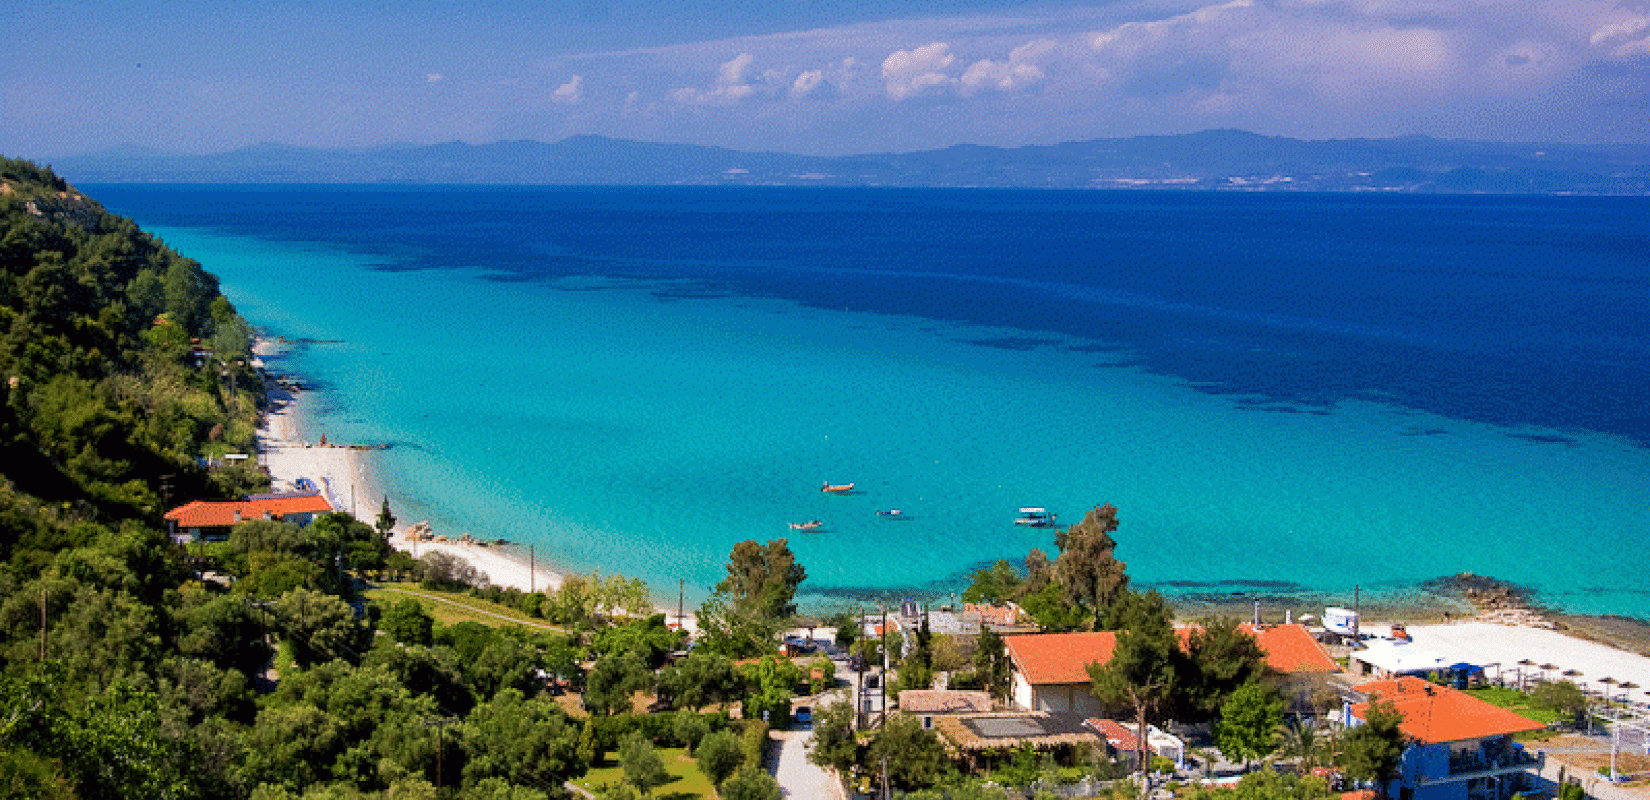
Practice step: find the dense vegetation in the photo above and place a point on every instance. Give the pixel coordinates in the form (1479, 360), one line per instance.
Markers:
(124, 378)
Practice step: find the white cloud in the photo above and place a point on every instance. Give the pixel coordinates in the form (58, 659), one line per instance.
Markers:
(433, 77)
(1018, 72)
(730, 87)
(807, 82)
(1624, 37)
(908, 73)
(570, 92)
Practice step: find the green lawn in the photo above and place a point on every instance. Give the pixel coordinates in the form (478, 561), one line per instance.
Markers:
(686, 781)
(1514, 701)
(448, 608)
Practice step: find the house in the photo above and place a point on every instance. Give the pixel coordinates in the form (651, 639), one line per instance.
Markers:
(985, 739)
(927, 704)
(205, 520)
(1123, 741)
(1391, 658)
(1051, 669)
(1460, 747)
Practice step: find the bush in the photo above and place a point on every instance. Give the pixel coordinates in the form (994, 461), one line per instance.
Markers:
(753, 741)
(719, 755)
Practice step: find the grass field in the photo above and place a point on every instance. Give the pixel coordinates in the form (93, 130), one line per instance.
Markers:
(686, 781)
(450, 607)
(1514, 701)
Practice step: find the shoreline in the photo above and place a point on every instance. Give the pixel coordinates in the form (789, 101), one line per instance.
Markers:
(349, 475)
(350, 479)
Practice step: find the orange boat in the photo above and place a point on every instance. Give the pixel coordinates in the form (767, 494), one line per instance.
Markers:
(838, 488)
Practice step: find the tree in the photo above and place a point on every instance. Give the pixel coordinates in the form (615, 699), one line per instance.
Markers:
(1222, 657)
(762, 579)
(649, 638)
(1372, 750)
(1560, 697)
(835, 745)
(914, 757)
(608, 688)
(1142, 673)
(771, 684)
(521, 740)
(719, 756)
(1301, 740)
(751, 783)
(406, 622)
(992, 665)
(642, 766)
(702, 679)
(1087, 570)
(1248, 723)
(320, 627)
(996, 585)
(385, 523)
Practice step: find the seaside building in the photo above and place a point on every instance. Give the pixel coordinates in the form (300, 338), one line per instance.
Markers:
(930, 704)
(205, 521)
(1460, 747)
(1050, 670)
(1123, 742)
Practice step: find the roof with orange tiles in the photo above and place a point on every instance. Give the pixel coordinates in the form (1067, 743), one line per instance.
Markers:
(1053, 658)
(1434, 714)
(1292, 649)
(208, 514)
(1120, 738)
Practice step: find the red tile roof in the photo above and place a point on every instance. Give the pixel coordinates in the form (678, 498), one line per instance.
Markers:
(1434, 714)
(1291, 649)
(1120, 738)
(205, 514)
(1053, 658)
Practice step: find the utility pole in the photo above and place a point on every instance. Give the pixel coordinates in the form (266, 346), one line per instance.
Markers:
(681, 598)
(532, 571)
(440, 746)
(882, 704)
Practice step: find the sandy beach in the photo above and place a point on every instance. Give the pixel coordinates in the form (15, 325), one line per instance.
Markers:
(348, 477)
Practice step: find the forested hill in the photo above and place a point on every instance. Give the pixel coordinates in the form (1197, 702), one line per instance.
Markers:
(133, 667)
(123, 367)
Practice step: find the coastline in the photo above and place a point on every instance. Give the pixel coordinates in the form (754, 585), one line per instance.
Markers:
(349, 476)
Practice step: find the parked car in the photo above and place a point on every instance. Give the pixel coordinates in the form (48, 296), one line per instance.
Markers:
(803, 714)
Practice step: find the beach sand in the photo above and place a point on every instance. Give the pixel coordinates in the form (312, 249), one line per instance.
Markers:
(348, 476)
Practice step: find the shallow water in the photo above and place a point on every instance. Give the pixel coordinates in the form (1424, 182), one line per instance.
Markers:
(651, 392)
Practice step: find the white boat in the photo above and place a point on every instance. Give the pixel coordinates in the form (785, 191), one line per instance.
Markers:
(1033, 517)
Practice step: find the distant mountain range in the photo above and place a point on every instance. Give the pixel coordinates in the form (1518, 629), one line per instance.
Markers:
(1227, 160)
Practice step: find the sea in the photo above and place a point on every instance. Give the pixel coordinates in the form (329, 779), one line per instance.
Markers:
(1288, 397)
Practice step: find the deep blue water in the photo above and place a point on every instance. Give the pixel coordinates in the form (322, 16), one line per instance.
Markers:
(1356, 372)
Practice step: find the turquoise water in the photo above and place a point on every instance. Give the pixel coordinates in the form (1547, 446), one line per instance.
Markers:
(1285, 395)
(618, 424)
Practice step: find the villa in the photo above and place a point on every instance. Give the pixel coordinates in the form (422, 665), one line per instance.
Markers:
(1460, 747)
(1051, 669)
(205, 520)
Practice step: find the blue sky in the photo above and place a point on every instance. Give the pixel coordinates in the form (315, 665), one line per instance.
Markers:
(814, 76)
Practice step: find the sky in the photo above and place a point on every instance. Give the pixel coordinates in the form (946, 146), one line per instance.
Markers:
(828, 77)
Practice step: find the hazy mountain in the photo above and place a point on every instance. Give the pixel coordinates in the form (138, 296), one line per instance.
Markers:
(1208, 160)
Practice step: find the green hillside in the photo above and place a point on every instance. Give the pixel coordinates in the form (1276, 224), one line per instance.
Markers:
(133, 668)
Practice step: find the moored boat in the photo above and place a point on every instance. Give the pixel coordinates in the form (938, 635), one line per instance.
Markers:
(806, 526)
(1032, 517)
(837, 488)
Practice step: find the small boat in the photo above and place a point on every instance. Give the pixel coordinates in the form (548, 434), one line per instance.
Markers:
(837, 488)
(892, 512)
(1034, 518)
(806, 526)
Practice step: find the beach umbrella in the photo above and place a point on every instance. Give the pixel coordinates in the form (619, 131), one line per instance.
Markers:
(1608, 682)
(1627, 686)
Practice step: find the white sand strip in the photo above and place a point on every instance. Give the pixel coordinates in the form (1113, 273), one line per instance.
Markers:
(1485, 643)
(346, 476)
